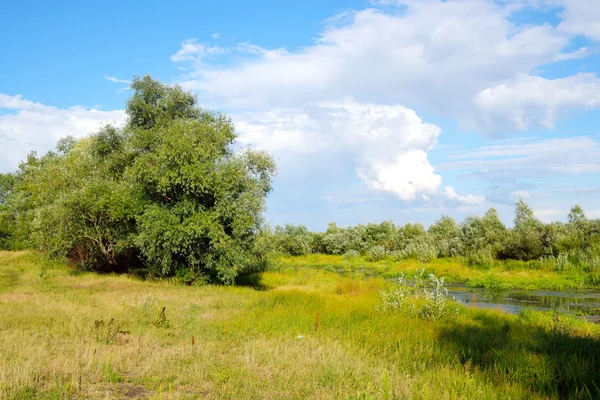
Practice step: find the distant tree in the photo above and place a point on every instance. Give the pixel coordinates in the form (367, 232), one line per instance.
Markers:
(445, 234)
(444, 228)
(294, 240)
(7, 182)
(524, 215)
(380, 235)
(339, 240)
(576, 215)
(525, 240)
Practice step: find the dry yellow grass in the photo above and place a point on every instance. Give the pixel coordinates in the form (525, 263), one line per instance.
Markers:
(57, 341)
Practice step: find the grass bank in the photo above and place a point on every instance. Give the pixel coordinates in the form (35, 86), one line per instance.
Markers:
(502, 275)
(308, 333)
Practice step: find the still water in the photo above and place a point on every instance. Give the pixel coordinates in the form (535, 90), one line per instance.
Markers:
(581, 302)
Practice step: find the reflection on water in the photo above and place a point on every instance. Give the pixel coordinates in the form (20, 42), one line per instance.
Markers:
(581, 302)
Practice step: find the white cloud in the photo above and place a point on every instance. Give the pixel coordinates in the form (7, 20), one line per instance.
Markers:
(216, 35)
(193, 51)
(548, 214)
(37, 127)
(530, 100)
(18, 103)
(581, 17)
(521, 194)
(116, 80)
(593, 214)
(469, 199)
(388, 144)
(527, 159)
(458, 58)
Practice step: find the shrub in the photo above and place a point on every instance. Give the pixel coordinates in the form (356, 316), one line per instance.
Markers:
(376, 253)
(421, 250)
(480, 258)
(351, 255)
(293, 240)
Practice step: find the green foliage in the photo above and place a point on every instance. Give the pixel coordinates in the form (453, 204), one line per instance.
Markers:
(339, 240)
(422, 250)
(351, 255)
(477, 241)
(426, 298)
(376, 253)
(6, 216)
(166, 192)
(293, 240)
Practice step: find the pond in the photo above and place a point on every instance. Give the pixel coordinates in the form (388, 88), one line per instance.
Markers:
(585, 303)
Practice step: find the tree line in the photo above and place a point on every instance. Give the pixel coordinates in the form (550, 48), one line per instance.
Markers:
(479, 240)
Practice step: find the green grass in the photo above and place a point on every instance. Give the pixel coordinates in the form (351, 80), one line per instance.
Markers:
(307, 333)
(503, 275)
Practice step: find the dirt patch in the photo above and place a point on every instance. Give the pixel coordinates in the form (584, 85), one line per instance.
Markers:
(123, 391)
(15, 297)
(134, 392)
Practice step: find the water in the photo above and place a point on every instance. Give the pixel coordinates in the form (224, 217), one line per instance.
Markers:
(580, 302)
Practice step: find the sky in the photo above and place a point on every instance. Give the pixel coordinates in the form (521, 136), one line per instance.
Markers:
(373, 110)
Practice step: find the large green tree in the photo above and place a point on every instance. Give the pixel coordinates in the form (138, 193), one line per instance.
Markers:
(166, 193)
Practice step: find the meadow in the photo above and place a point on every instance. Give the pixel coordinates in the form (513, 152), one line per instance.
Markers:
(301, 330)
(498, 275)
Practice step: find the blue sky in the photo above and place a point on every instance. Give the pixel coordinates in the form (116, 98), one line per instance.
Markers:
(374, 110)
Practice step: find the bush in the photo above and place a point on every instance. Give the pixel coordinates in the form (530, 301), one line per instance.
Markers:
(376, 253)
(340, 240)
(421, 250)
(480, 258)
(293, 240)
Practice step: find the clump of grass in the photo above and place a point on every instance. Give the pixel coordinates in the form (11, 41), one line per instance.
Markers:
(108, 333)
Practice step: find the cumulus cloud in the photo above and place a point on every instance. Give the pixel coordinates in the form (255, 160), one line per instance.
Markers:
(458, 58)
(533, 101)
(469, 199)
(31, 126)
(388, 144)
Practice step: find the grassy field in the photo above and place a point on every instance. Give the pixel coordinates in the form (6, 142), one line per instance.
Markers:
(308, 333)
(503, 275)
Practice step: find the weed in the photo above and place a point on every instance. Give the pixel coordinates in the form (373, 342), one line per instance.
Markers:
(107, 333)
(426, 298)
(162, 321)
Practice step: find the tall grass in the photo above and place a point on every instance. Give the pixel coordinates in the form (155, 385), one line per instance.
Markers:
(168, 341)
(507, 274)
